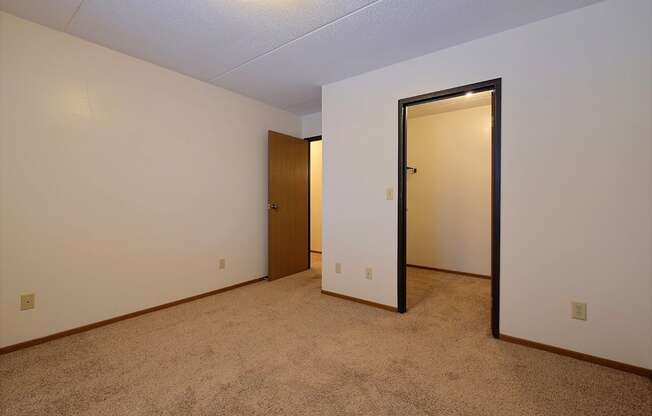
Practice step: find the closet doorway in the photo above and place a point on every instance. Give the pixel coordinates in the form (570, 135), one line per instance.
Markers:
(480, 263)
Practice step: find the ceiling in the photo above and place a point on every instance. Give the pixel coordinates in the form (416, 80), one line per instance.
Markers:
(461, 102)
(282, 51)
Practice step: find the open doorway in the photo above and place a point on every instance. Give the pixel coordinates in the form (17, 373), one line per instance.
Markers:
(449, 190)
(315, 202)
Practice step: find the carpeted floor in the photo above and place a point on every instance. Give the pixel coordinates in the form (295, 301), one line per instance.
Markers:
(283, 348)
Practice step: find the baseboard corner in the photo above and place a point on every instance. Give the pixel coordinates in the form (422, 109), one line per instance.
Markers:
(362, 301)
(641, 371)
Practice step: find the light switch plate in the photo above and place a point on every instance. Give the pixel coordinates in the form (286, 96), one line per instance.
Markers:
(578, 311)
(389, 194)
(27, 301)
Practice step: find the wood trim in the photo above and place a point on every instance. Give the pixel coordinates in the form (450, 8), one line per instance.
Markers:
(645, 372)
(309, 201)
(37, 341)
(481, 276)
(401, 243)
(364, 302)
(313, 138)
(496, 169)
(315, 251)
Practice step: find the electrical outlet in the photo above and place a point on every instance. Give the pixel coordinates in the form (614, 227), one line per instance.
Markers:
(578, 310)
(368, 273)
(389, 194)
(222, 264)
(27, 301)
(338, 268)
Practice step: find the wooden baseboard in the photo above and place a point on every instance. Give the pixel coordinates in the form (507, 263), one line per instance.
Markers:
(30, 343)
(315, 251)
(645, 372)
(364, 302)
(481, 276)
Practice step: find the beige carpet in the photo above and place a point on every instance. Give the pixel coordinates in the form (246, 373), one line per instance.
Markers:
(282, 348)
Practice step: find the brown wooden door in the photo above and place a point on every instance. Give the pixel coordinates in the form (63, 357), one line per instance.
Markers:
(288, 205)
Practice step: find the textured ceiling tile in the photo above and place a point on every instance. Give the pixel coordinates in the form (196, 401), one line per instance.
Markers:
(52, 13)
(308, 107)
(385, 33)
(312, 42)
(202, 38)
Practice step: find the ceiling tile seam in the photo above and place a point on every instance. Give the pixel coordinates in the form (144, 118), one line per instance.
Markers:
(325, 25)
(74, 14)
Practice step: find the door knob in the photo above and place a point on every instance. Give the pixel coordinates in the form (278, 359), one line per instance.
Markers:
(272, 205)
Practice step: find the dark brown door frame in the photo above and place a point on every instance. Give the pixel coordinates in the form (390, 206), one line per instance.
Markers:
(310, 139)
(490, 85)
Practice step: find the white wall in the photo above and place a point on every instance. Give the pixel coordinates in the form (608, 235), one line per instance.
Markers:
(122, 183)
(315, 195)
(449, 198)
(311, 125)
(576, 175)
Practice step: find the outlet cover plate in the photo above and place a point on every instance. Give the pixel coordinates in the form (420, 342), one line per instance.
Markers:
(578, 311)
(27, 301)
(368, 273)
